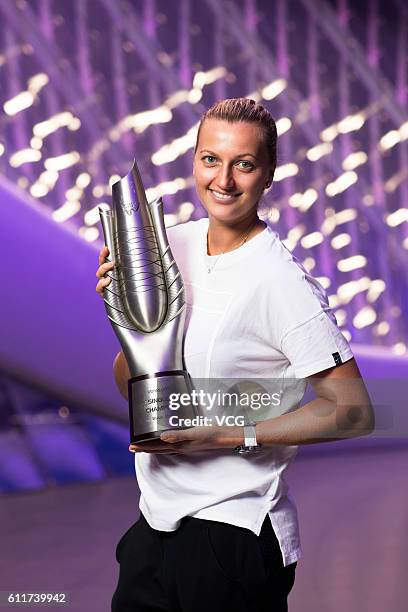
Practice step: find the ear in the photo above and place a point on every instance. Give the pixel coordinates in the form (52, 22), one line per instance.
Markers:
(270, 178)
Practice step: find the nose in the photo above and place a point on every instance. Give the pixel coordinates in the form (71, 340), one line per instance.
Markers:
(225, 178)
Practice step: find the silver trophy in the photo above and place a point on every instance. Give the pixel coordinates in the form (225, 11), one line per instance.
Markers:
(146, 306)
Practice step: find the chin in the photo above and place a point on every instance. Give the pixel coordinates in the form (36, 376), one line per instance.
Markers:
(228, 214)
(223, 213)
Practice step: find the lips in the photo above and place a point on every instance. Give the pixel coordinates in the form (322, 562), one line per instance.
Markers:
(224, 197)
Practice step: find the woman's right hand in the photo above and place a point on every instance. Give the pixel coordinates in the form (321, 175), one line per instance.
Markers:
(104, 267)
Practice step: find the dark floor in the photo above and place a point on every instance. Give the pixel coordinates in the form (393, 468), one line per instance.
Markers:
(353, 509)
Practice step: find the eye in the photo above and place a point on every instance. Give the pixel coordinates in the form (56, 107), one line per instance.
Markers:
(210, 159)
(245, 164)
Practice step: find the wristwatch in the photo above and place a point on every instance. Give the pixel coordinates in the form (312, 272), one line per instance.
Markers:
(250, 444)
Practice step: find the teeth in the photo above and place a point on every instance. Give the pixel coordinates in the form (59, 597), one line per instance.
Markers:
(223, 196)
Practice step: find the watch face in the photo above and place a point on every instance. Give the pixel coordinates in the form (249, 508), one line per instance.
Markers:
(248, 449)
(241, 449)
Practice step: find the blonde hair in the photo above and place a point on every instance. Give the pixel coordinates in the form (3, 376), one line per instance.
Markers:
(244, 109)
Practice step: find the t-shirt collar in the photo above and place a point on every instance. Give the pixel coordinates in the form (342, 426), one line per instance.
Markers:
(228, 259)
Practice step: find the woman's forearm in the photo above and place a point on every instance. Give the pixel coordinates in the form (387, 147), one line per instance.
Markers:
(317, 421)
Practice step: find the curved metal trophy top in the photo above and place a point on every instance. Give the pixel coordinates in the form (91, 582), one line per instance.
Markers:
(141, 275)
(146, 295)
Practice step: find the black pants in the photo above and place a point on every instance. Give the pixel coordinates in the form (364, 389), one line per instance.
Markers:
(203, 566)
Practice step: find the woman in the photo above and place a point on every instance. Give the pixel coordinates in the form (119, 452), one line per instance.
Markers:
(218, 529)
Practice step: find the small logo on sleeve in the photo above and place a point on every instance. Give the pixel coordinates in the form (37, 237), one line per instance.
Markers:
(337, 359)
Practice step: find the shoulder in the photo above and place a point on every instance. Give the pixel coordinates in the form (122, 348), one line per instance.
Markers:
(299, 315)
(286, 273)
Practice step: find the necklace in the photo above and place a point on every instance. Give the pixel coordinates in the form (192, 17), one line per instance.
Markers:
(245, 238)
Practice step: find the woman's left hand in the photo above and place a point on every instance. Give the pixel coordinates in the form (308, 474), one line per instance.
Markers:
(183, 441)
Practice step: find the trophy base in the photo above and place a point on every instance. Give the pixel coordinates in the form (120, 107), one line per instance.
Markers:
(151, 436)
(154, 404)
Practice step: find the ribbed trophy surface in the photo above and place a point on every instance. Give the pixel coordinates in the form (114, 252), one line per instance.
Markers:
(172, 277)
(141, 277)
(147, 290)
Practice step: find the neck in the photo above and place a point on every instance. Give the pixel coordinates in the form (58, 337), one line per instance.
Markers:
(225, 237)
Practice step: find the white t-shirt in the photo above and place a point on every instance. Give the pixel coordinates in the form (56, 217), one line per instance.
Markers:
(259, 315)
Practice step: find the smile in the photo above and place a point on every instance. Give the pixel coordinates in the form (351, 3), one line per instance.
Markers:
(224, 197)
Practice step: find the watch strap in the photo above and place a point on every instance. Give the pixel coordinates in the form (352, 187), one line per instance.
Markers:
(250, 435)
(250, 442)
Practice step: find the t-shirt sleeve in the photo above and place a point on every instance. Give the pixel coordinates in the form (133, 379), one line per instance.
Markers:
(315, 345)
(307, 328)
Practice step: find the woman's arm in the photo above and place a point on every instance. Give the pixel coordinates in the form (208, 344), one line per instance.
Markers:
(121, 374)
(342, 409)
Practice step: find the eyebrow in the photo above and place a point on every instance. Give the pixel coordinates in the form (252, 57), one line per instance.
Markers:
(236, 157)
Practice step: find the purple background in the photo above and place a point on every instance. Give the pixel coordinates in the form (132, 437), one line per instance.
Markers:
(62, 422)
